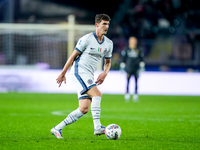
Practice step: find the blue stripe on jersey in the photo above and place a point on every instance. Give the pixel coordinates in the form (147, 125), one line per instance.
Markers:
(97, 38)
(79, 78)
(78, 50)
(83, 97)
(91, 86)
(85, 88)
(107, 57)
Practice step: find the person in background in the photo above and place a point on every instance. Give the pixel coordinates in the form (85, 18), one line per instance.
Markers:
(132, 63)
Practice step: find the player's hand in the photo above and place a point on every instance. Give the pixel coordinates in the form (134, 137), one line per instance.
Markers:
(101, 78)
(142, 66)
(60, 79)
(142, 69)
(122, 67)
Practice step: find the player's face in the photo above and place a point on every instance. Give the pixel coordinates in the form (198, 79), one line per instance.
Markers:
(132, 42)
(103, 26)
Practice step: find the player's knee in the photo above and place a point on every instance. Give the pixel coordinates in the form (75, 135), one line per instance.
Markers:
(84, 110)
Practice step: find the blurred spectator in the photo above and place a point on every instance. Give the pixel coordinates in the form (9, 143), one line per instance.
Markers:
(132, 62)
(2, 59)
(182, 49)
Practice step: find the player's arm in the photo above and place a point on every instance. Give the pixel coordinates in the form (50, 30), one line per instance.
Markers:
(103, 75)
(68, 64)
(123, 63)
(142, 63)
(107, 66)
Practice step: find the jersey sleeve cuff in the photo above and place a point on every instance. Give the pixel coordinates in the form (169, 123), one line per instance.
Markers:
(107, 57)
(78, 50)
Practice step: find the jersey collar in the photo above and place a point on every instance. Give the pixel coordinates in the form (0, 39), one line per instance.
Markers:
(97, 38)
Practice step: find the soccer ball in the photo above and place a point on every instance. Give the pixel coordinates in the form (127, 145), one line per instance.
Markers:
(113, 131)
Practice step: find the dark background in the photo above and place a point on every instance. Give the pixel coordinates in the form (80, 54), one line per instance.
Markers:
(167, 30)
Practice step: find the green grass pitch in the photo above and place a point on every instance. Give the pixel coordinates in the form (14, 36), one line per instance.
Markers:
(155, 122)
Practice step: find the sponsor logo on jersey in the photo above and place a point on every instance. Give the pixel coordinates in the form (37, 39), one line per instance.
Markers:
(95, 55)
(132, 53)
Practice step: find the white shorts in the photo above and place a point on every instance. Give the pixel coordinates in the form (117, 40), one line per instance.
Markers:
(83, 82)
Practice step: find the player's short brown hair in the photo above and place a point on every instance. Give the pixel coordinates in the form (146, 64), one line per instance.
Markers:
(100, 17)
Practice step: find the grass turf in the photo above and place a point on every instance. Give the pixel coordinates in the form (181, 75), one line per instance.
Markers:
(155, 122)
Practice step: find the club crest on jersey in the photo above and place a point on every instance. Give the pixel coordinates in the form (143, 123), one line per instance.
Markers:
(90, 81)
(105, 51)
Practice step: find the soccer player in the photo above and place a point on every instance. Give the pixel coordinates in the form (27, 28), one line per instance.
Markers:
(132, 62)
(89, 50)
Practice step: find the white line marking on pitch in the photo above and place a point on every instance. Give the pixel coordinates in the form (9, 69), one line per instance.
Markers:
(65, 113)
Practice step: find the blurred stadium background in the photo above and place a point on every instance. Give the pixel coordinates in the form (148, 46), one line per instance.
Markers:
(37, 36)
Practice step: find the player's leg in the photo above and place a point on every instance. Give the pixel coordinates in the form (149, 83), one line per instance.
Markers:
(127, 95)
(84, 103)
(135, 95)
(71, 118)
(83, 108)
(136, 84)
(95, 94)
(127, 83)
